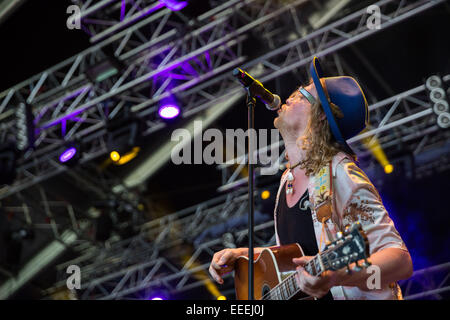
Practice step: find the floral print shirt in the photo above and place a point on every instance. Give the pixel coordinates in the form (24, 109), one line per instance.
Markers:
(355, 199)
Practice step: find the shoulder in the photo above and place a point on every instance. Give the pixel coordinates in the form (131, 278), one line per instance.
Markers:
(349, 177)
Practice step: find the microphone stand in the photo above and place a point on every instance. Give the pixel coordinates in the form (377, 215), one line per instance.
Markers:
(251, 102)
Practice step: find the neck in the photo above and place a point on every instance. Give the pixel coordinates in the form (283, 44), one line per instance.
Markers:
(293, 150)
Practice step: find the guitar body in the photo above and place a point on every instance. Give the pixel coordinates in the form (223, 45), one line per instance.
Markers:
(271, 266)
(274, 277)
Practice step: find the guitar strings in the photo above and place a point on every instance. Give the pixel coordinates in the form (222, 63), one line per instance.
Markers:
(325, 263)
(283, 283)
(292, 277)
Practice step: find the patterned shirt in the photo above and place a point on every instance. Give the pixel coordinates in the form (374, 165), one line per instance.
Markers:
(355, 199)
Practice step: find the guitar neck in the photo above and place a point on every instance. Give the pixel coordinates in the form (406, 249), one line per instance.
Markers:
(317, 265)
(289, 287)
(350, 247)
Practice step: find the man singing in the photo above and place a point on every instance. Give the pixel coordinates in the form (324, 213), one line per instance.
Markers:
(315, 123)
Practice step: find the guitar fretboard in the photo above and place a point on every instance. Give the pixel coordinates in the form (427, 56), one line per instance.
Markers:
(348, 248)
(289, 287)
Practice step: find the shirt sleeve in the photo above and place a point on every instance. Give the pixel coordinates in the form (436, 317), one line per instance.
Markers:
(360, 201)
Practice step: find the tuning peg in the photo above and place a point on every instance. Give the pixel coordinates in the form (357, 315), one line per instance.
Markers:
(347, 229)
(366, 263)
(357, 267)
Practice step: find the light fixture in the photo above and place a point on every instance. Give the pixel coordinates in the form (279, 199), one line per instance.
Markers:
(443, 120)
(169, 111)
(70, 153)
(174, 5)
(127, 157)
(439, 100)
(156, 298)
(105, 69)
(388, 168)
(25, 127)
(114, 155)
(67, 154)
(123, 139)
(119, 159)
(265, 194)
(169, 108)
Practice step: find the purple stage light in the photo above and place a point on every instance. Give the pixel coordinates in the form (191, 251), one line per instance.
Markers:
(169, 111)
(67, 154)
(174, 5)
(156, 298)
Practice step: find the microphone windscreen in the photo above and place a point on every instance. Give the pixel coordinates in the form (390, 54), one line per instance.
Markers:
(275, 105)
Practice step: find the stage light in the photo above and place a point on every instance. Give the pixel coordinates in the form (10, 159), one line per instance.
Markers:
(443, 120)
(128, 156)
(388, 168)
(174, 5)
(70, 153)
(169, 111)
(437, 94)
(123, 139)
(115, 156)
(221, 298)
(156, 298)
(432, 82)
(104, 69)
(439, 100)
(67, 154)
(265, 194)
(373, 145)
(25, 127)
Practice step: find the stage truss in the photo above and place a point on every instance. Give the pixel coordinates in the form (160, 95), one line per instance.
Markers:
(156, 55)
(194, 65)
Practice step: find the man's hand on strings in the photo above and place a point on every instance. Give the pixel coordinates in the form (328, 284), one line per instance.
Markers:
(314, 286)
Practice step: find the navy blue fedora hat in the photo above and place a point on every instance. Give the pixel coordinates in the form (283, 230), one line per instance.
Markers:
(347, 95)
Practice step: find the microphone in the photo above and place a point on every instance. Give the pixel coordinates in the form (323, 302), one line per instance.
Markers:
(272, 101)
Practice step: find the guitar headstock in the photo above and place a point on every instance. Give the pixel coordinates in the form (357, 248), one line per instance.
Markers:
(351, 246)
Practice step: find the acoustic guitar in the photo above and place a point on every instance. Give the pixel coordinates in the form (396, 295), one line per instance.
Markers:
(274, 271)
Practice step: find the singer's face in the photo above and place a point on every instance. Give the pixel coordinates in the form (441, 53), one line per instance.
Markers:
(294, 114)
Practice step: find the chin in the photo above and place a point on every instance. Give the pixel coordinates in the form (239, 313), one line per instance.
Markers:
(275, 121)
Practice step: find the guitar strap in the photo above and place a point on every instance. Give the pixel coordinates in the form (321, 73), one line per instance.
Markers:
(322, 201)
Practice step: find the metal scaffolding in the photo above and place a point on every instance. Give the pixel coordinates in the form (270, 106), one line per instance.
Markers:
(124, 268)
(151, 54)
(429, 283)
(68, 105)
(133, 268)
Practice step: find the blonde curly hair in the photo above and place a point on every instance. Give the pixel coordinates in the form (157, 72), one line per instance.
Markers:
(318, 143)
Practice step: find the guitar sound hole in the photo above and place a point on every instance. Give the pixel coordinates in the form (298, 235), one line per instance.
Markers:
(265, 290)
